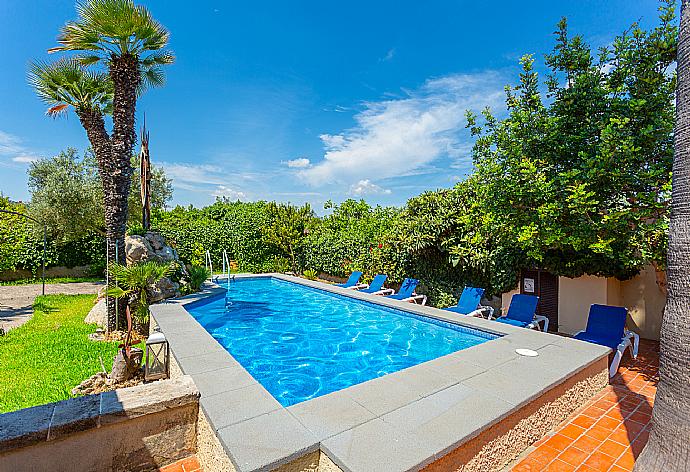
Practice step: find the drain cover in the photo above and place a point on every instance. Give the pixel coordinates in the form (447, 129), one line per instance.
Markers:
(527, 352)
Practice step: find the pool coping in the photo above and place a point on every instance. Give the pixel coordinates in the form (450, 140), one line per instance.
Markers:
(411, 417)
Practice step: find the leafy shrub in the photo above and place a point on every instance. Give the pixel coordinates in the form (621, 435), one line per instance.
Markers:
(310, 274)
(197, 276)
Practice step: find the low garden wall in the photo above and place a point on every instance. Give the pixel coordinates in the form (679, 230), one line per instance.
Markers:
(59, 271)
(132, 429)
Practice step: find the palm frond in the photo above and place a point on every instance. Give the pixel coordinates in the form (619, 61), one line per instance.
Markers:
(112, 27)
(66, 83)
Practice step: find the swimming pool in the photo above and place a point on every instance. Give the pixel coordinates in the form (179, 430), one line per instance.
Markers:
(300, 342)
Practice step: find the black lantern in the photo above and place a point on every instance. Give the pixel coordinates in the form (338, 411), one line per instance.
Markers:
(157, 357)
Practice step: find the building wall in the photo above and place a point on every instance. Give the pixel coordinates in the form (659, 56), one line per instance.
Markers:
(645, 302)
(640, 295)
(574, 298)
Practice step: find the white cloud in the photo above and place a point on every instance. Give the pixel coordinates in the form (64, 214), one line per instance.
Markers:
(223, 191)
(299, 163)
(11, 147)
(367, 187)
(399, 137)
(24, 159)
(193, 173)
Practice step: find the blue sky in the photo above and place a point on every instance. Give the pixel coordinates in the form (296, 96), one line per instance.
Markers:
(305, 101)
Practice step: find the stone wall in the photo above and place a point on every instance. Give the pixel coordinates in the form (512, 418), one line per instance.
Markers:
(132, 429)
(58, 271)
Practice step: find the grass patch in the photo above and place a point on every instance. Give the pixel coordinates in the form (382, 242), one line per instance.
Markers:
(41, 361)
(54, 280)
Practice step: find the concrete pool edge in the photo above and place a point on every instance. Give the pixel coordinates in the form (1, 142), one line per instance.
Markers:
(489, 381)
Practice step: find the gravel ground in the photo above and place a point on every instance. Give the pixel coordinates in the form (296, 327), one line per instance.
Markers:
(16, 300)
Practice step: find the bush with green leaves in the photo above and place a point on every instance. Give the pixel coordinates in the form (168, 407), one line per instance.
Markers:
(310, 274)
(197, 276)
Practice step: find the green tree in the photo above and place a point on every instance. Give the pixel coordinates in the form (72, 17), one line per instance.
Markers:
(286, 229)
(668, 448)
(12, 234)
(129, 46)
(67, 195)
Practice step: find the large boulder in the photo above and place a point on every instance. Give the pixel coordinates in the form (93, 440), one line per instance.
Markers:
(137, 249)
(156, 240)
(98, 314)
(164, 288)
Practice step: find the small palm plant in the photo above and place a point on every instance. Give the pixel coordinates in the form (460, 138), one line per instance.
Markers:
(133, 283)
(197, 276)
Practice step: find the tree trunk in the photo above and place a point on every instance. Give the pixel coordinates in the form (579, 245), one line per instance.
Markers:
(124, 72)
(94, 124)
(668, 448)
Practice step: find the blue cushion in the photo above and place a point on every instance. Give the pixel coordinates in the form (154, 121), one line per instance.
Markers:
(606, 321)
(518, 323)
(406, 289)
(376, 284)
(610, 342)
(354, 278)
(522, 308)
(469, 300)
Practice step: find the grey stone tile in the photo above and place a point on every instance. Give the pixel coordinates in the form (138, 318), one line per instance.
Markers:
(192, 344)
(569, 357)
(25, 427)
(376, 446)
(489, 354)
(421, 380)
(449, 417)
(223, 380)
(454, 368)
(75, 414)
(207, 362)
(330, 414)
(382, 395)
(518, 381)
(266, 441)
(238, 405)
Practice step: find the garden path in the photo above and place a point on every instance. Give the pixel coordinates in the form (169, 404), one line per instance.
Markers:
(16, 301)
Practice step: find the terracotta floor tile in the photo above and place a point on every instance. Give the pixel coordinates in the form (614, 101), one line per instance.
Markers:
(544, 454)
(559, 466)
(600, 461)
(617, 468)
(528, 465)
(626, 461)
(584, 421)
(175, 467)
(621, 435)
(587, 443)
(640, 417)
(574, 456)
(572, 431)
(190, 464)
(559, 442)
(633, 429)
(612, 448)
(594, 412)
(598, 433)
(608, 423)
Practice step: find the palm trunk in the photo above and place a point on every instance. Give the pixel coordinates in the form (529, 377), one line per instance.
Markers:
(124, 72)
(668, 448)
(94, 124)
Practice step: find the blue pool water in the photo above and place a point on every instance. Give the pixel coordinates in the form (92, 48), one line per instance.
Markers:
(300, 342)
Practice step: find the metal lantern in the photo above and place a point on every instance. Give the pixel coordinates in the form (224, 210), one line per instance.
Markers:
(157, 357)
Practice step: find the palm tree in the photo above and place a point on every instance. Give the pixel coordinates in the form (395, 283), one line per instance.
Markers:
(127, 42)
(668, 448)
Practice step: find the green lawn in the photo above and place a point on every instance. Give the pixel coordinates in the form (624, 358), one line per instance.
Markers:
(44, 359)
(54, 280)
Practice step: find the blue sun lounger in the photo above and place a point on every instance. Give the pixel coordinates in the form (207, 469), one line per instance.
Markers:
(353, 281)
(521, 313)
(376, 285)
(606, 327)
(468, 304)
(406, 293)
